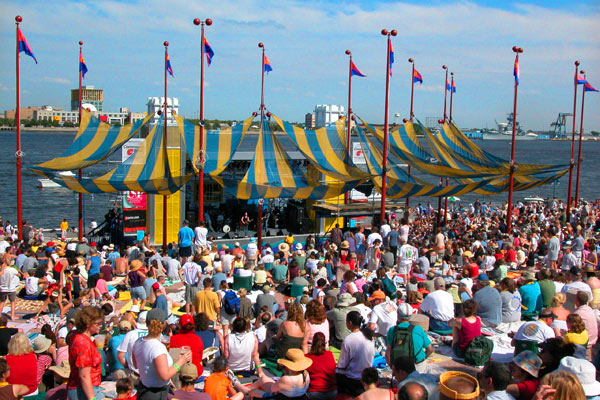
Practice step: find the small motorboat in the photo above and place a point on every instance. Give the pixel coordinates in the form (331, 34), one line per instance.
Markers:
(45, 183)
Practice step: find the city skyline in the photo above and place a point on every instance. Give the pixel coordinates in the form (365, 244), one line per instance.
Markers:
(305, 42)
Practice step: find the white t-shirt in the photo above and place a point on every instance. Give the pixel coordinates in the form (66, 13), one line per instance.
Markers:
(371, 238)
(385, 229)
(251, 249)
(3, 246)
(190, 273)
(241, 346)
(407, 254)
(145, 352)
(575, 286)
(31, 285)
(227, 260)
(385, 316)
(126, 345)
(536, 331)
(439, 304)
(200, 236)
(267, 258)
(364, 311)
(356, 354)
(9, 281)
(261, 333)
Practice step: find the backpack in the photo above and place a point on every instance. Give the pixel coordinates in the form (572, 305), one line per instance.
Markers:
(231, 303)
(479, 351)
(403, 344)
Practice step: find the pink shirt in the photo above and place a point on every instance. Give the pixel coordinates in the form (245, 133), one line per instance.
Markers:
(591, 323)
(101, 286)
(62, 354)
(323, 328)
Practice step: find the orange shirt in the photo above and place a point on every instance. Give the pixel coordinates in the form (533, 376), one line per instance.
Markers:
(217, 386)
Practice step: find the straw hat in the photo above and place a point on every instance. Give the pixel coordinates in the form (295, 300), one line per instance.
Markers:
(135, 265)
(453, 394)
(63, 369)
(41, 344)
(345, 245)
(283, 247)
(468, 254)
(295, 360)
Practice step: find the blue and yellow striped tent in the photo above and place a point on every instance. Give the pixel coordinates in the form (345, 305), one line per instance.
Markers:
(94, 142)
(147, 170)
(273, 174)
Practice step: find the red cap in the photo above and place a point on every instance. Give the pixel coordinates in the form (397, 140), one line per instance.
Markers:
(186, 319)
(156, 286)
(50, 244)
(93, 244)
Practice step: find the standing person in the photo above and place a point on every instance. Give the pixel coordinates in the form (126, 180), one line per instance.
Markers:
(407, 256)
(9, 282)
(84, 358)
(336, 235)
(207, 301)
(64, 227)
(155, 364)
(356, 354)
(125, 348)
(190, 274)
(185, 236)
(135, 279)
(553, 248)
(200, 233)
(244, 223)
(93, 267)
(22, 363)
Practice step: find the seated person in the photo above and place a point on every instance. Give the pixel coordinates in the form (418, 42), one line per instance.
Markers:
(370, 380)
(294, 382)
(464, 330)
(219, 385)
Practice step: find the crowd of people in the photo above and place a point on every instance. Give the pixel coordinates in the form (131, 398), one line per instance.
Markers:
(320, 319)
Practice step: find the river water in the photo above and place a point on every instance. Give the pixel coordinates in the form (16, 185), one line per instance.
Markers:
(47, 207)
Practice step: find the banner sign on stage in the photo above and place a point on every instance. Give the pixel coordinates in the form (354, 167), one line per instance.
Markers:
(134, 203)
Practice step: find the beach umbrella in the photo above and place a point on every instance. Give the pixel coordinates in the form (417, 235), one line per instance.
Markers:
(453, 199)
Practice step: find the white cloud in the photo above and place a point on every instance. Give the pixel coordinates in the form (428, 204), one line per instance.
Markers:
(52, 79)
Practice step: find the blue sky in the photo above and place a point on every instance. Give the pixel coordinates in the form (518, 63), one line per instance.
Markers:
(305, 42)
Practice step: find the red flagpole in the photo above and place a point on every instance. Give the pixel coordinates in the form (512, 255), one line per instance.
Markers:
(446, 203)
(386, 126)
(207, 22)
(349, 113)
(579, 151)
(439, 213)
(262, 118)
(412, 114)
(80, 172)
(572, 162)
(451, 93)
(18, 153)
(164, 243)
(517, 50)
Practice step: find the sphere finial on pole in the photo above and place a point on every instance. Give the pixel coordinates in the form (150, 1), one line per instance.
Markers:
(19, 19)
(577, 63)
(208, 21)
(197, 21)
(384, 32)
(410, 60)
(81, 43)
(166, 43)
(394, 32)
(348, 52)
(444, 67)
(261, 45)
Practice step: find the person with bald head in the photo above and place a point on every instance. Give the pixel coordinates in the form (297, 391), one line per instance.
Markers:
(412, 391)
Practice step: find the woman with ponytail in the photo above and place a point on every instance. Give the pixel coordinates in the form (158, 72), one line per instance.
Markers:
(356, 354)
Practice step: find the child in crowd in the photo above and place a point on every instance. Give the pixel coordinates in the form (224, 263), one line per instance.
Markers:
(218, 385)
(245, 305)
(124, 389)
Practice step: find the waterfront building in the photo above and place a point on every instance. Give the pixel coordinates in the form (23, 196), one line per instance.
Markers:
(26, 113)
(309, 121)
(89, 95)
(326, 114)
(155, 104)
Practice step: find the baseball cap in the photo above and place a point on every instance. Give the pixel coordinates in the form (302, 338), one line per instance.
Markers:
(156, 314)
(405, 310)
(483, 277)
(547, 313)
(377, 295)
(186, 319)
(188, 371)
(237, 244)
(156, 286)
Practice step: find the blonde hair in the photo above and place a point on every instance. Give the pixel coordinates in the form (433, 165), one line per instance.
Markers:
(566, 384)
(155, 327)
(242, 292)
(19, 345)
(558, 299)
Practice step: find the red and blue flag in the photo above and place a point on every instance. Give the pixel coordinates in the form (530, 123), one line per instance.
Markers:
(23, 45)
(589, 88)
(453, 87)
(168, 64)
(82, 67)
(448, 87)
(355, 71)
(580, 80)
(267, 64)
(391, 56)
(517, 70)
(208, 51)
(417, 77)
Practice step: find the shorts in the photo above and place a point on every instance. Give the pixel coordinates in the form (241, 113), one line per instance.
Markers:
(76, 394)
(190, 293)
(227, 319)
(403, 269)
(185, 251)
(10, 295)
(92, 280)
(138, 293)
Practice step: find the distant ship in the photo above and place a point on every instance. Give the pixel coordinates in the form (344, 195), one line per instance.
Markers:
(505, 132)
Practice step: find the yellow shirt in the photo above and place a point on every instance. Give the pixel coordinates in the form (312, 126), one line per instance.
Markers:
(208, 302)
(577, 338)
(64, 226)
